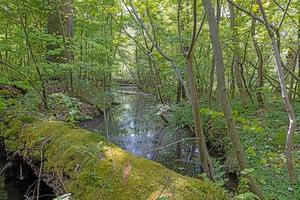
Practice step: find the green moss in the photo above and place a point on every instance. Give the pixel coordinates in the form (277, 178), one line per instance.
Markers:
(2, 126)
(6, 93)
(14, 127)
(93, 168)
(27, 119)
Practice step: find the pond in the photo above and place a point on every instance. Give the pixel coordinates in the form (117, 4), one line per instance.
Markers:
(133, 125)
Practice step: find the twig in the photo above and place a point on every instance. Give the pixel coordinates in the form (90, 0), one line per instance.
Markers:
(171, 144)
(40, 170)
(251, 14)
(20, 73)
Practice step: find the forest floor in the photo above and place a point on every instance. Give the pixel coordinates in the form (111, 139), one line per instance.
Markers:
(88, 166)
(262, 131)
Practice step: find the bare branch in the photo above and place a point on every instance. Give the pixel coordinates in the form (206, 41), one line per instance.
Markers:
(251, 14)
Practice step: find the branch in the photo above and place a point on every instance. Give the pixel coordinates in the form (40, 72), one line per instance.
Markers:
(251, 14)
(284, 14)
(123, 30)
(194, 29)
(20, 73)
(156, 45)
(295, 23)
(178, 25)
(171, 144)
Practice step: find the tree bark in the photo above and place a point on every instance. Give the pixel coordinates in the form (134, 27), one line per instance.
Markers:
(201, 142)
(285, 97)
(211, 80)
(212, 70)
(236, 56)
(61, 23)
(231, 129)
(260, 82)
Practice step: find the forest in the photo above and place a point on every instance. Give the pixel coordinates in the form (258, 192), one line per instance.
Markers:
(149, 99)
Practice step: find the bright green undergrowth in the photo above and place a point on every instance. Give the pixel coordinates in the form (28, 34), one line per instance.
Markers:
(263, 135)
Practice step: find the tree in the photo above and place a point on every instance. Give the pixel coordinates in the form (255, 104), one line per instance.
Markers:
(61, 24)
(236, 56)
(188, 53)
(285, 96)
(231, 129)
(260, 82)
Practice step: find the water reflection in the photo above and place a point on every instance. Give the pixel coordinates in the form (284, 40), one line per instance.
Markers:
(131, 125)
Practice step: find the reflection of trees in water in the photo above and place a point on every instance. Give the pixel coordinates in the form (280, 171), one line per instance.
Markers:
(134, 128)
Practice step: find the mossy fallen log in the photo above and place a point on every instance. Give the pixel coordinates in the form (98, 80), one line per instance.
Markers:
(86, 165)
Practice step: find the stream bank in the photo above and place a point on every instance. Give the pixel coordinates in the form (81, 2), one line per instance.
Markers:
(89, 167)
(132, 124)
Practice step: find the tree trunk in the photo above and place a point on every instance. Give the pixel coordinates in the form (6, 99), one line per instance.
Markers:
(232, 131)
(61, 23)
(24, 26)
(292, 66)
(297, 87)
(211, 80)
(212, 70)
(285, 97)
(237, 57)
(204, 156)
(260, 82)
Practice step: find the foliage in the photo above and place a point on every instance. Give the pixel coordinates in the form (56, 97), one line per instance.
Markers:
(2, 105)
(68, 107)
(142, 42)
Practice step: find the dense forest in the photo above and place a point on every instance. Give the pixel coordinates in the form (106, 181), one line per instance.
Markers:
(149, 99)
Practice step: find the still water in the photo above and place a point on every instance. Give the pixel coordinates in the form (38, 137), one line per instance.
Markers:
(133, 125)
(19, 183)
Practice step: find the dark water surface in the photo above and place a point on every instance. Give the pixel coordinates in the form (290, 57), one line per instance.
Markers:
(18, 183)
(133, 125)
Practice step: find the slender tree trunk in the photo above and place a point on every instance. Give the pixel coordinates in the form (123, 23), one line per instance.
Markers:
(292, 66)
(231, 129)
(152, 65)
(204, 156)
(194, 99)
(297, 87)
(237, 56)
(285, 97)
(212, 70)
(260, 82)
(179, 92)
(232, 83)
(211, 80)
(23, 21)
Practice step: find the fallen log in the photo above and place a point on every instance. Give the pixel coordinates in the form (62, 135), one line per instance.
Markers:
(73, 160)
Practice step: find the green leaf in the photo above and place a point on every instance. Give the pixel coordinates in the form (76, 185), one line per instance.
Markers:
(247, 171)
(163, 198)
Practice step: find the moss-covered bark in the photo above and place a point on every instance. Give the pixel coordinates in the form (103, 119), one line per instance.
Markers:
(89, 167)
